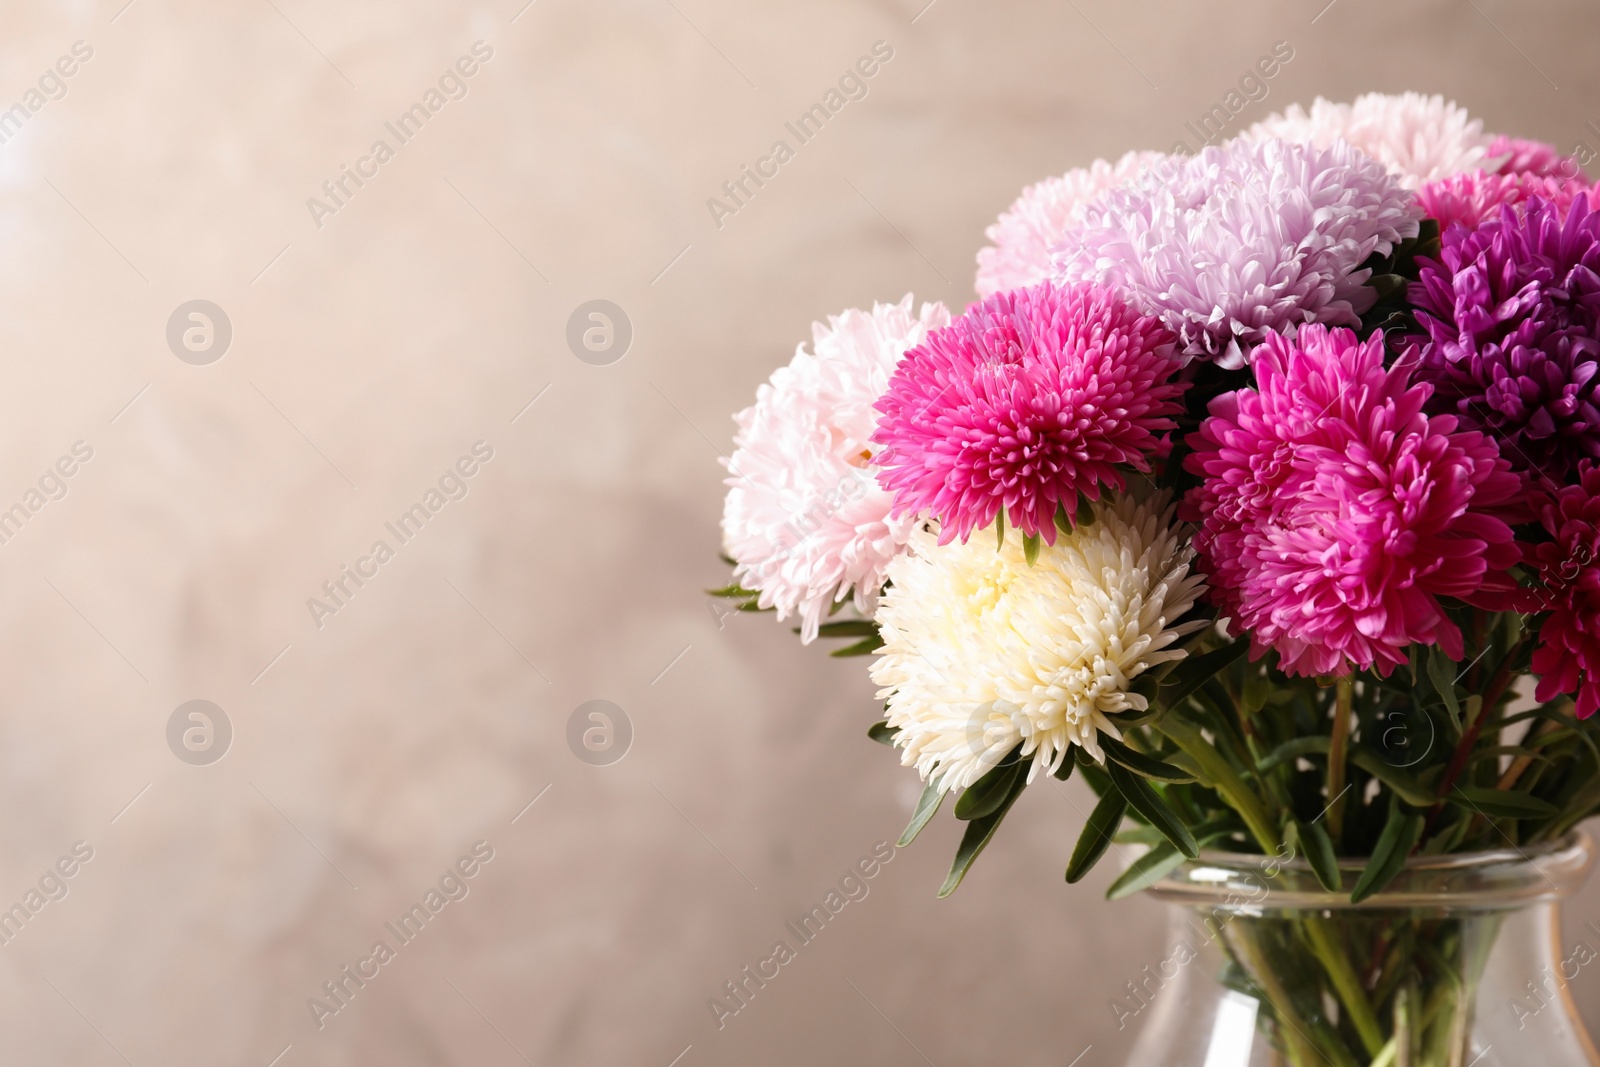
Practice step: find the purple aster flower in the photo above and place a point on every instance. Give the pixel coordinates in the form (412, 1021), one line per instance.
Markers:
(1512, 314)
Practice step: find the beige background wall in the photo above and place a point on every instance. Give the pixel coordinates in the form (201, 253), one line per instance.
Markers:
(369, 353)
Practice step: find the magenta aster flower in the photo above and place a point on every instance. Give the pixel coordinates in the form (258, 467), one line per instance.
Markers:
(1335, 513)
(1568, 657)
(1476, 196)
(1028, 399)
(1512, 314)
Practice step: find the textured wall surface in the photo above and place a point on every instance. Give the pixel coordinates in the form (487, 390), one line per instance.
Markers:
(373, 344)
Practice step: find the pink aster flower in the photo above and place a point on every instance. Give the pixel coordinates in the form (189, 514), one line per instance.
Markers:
(1238, 242)
(1476, 196)
(1028, 399)
(1039, 218)
(1568, 657)
(1517, 156)
(1335, 513)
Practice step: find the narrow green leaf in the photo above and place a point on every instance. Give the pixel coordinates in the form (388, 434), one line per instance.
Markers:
(1190, 674)
(735, 590)
(882, 732)
(1501, 803)
(985, 796)
(1400, 835)
(927, 804)
(979, 831)
(848, 628)
(1000, 529)
(861, 648)
(1142, 765)
(1085, 510)
(1146, 871)
(1319, 852)
(1063, 520)
(1030, 549)
(1442, 673)
(1148, 803)
(1405, 787)
(1290, 751)
(1097, 835)
(1064, 772)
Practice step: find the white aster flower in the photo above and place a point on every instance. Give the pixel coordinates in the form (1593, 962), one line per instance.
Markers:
(1419, 138)
(1039, 218)
(805, 520)
(983, 653)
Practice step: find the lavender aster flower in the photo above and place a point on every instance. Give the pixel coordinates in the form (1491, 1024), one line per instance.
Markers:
(1512, 313)
(1243, 240)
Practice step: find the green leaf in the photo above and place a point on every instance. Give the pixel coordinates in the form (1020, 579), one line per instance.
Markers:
(1399, 837)
(1063, 520)
(1097, 835)
(979, 831)
(847, 628)
(1190, 674)
(860, 648)
(1501, 803)
(927, 804)
(1148, 803)
(1290, 751)
(1030, 549)
(1085, 510)
(985, 796)
(1064, 772)
(1146, 871)
(1319, 852)
(1442, 673)
(735, 590)
(1402, 784)
(1142, 765)
(882, 732)
(1000, 529)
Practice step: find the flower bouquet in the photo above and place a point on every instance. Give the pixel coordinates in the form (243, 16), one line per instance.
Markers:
(1261, 489)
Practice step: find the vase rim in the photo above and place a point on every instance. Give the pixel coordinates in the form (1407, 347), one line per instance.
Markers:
(1491, 879)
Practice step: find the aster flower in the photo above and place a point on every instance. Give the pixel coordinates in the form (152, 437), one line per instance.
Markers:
(1029, 399)
(1418, 138)
(805, 520)
(1517, 156)
(1037, 220)
(1242, 241)
(1334, 513)
(983, 652)
(1568, 657)
(1474, 197)
(1512, 314)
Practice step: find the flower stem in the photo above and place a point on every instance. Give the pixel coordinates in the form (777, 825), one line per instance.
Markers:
(1352, 997)
(1223, 779)
(1344, 697)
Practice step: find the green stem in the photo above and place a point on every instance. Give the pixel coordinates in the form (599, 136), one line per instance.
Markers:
(1302, 1050)
(1344, 697)
(1352, 995)
(1223, 779)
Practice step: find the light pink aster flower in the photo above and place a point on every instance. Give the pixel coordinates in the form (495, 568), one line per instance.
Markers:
(1475, 197)
(1024, 235)
(1418, 138)
(1517, 156)
(1030, 398)
(1334, 513)
(1242, 241)
(804, 519)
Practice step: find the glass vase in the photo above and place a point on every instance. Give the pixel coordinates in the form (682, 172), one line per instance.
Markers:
(1457, 963)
